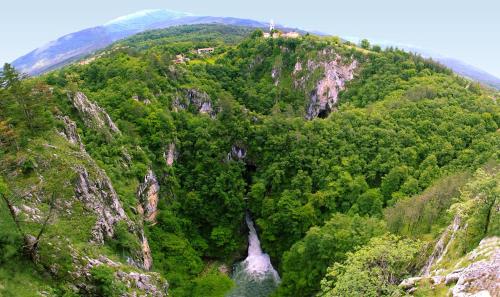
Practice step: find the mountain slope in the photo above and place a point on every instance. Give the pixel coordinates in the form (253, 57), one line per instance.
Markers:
(471, 72)
(456, 65)
(460, 67)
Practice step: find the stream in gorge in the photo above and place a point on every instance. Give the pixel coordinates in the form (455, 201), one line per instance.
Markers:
(255, 276)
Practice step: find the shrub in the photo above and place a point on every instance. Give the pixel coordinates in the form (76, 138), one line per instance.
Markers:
(105, 282)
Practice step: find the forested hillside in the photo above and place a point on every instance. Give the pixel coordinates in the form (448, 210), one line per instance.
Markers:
(131, 172)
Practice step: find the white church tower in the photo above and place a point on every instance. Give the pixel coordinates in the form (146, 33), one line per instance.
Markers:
(271, 26)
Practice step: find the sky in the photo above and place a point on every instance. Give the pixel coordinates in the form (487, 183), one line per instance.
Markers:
(462, 29)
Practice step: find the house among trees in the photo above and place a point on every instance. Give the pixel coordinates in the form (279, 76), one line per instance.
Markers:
(206, 50)
(180, 59)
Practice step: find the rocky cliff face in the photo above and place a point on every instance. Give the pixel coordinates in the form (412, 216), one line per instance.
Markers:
(442, 246)
(70, 132)
(334, 74)
(199, 100)
(77, 201)
(480, 278)
(237, 153)
(170, 155)
(148, 194)
(138, 283)
(147, 258)
(476, 273)
(92, 114)
(98, 195)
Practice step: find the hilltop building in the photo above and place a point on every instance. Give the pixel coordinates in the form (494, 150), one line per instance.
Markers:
(273, 33)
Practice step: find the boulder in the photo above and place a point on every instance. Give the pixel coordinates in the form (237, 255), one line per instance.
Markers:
(237, 153)
(409, 283)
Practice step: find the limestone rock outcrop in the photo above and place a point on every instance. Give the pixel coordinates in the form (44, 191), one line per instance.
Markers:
(170, 155)
(201, 102)
(481, 277)
(148, 194)
(442, 246)
(138, 283)
(237, 153)
(324, 97)
(335, 73)
(70, 132)
(92, 114)
(147, 258)
(98, 195)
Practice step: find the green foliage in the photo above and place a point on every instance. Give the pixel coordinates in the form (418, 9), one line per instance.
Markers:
(10, 239)
(364, 44)
(306, 262)
(105, 282)
(24, 104)
(374, 270)
(477, 209)
(403, 123)
(213, 284)
(416, 216)
(393, 70)
(124, 241)
(19, 278)
(370, 202)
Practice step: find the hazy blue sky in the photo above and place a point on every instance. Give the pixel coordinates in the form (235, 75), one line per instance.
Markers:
(467, 30)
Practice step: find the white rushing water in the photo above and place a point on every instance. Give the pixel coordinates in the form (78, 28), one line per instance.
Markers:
(255, 276)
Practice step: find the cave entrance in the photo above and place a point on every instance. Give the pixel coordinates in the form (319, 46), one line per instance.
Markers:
(323, 114)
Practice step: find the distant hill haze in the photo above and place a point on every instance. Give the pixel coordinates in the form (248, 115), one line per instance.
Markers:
(74, 46)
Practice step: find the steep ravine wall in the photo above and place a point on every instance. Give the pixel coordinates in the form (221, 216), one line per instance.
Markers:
(86, 212)
(335, 72)
(452, 265)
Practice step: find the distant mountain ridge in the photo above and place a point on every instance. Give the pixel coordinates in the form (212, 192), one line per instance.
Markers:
(459, 67)
(471, 72)
(74, 46)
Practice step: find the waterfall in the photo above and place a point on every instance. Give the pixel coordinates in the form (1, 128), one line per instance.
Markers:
(255, 276)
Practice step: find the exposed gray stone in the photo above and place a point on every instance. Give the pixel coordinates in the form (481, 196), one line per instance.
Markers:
(442, 245)
(170, 155)
(148, 195)
(237, 153)
(70, 132)
(409, 282)
(149, 284)
(99, 196)
(92, 114)
(324, 97)
(481, 276)
(200, 100)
